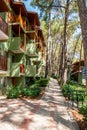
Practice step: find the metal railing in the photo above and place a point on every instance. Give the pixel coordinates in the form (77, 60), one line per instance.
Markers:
(76, 98)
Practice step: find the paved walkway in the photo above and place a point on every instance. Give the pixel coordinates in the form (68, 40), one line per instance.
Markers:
(48, 113)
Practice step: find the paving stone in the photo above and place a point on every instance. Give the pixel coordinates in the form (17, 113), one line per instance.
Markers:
(48, 113)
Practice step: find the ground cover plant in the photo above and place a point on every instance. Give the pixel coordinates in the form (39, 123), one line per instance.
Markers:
(13, 92)
(81, 113)
(32, 90)
(74, 89)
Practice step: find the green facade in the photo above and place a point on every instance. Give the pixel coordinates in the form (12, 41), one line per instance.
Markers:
(21, 52)
(31, 50)
(15, 44)
(30, 71)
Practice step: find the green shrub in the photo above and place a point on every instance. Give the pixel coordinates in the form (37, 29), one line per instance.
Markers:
(83, 110)
(55, 76)
(13, 92)
(32, 92)
(65, 90)
(42, 82)
(24, 92)
(30, 81)
(34, 85)
(74, 90)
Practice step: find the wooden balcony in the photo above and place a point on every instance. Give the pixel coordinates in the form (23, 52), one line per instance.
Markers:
(16, 45)
(31, 50)
(28, 28)
(3, 63)
(17, 70)
(18, 19)
(30, 70)
(3, 29)
(4, 6)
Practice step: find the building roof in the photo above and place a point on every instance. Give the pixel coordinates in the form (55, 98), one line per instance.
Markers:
(33, 17)
(17, 6)
(77, 65)
(4, 6)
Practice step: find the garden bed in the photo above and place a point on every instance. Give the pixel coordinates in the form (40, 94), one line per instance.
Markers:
(79, 119)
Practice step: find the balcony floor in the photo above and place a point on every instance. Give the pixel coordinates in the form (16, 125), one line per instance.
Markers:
(3, 36)
(3, 73)
(17, 51)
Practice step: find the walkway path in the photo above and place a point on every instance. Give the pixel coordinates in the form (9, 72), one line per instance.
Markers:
(48, 113)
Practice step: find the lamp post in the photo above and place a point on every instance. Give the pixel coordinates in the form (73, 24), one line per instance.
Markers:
(68, 65)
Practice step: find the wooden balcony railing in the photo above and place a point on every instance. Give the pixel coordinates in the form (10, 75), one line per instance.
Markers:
(30, 70)
(17, 45)
(3, 26)
(3, 63)
(19, 19)
(28, 28)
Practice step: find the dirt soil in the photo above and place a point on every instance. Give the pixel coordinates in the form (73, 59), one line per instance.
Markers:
(79, 119)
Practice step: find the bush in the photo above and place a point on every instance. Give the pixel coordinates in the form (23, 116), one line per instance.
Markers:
(34, 85)
(75, 91)
(30, 81)
(32, 92)
(42, 82)
(83, 110)
(24, 92)
(65, 90)
(13, 92)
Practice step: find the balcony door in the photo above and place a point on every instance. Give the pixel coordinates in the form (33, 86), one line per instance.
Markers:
(3, 61)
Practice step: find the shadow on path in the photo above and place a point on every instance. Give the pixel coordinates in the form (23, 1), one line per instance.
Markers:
(48, 113)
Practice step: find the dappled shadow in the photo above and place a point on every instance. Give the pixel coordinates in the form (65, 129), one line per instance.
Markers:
(23, 112)
(14, 111)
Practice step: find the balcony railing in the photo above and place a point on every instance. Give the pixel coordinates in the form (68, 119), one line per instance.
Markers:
(16, 45)
(3, 26)
(3, 63)
(38, 59)
(30, 70)
(18, 19)
(28, 28)
(17, 69)
(31, 50)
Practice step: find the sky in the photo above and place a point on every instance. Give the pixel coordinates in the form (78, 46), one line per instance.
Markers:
(29, 7)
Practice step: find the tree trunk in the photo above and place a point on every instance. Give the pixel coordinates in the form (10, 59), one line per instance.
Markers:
(83, 22)
(48, 48)
(63, 61)
(65, 40)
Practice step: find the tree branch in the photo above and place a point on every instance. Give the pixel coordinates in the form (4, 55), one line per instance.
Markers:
(52, 6)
